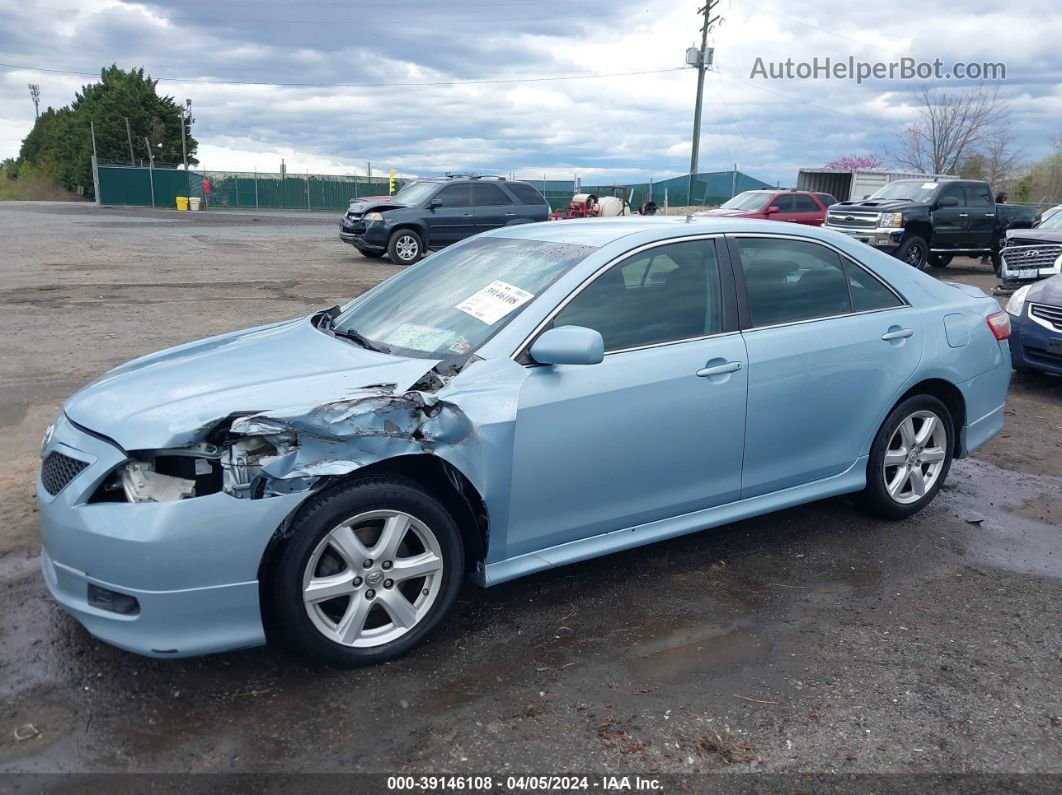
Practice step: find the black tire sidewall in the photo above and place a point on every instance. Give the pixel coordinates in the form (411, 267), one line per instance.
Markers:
(392, 246)
(907, 244)
(875, 495)
(324, 512)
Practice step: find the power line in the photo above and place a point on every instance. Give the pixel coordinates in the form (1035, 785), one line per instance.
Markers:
(404, 84)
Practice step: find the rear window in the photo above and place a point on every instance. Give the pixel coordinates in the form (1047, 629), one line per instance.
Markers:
(826, 199)
(525, 194)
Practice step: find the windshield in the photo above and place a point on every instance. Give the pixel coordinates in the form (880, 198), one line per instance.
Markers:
(749, 200)
(1052, 219)
(415, 192)
(452, 302)
(910, 189)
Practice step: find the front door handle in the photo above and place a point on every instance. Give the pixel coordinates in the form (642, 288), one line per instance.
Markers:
(467, 215)
(508, 214)
(898, 334)
(962, 215)
(719, 369)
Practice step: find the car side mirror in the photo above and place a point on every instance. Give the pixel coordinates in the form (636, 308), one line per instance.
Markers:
(948, 201)
(774, 208)
(436, 202)
(569, 345)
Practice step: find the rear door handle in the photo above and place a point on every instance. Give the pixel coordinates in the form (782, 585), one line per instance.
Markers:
(962, 215)
(719, 369)
(899, 334)
(510, 214)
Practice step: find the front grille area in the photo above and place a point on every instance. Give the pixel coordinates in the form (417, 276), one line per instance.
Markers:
(1023, 257)
(58, 470)
(858, 220)
(1052, 314)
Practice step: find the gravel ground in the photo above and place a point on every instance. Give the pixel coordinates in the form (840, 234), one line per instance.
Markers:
(813, 640)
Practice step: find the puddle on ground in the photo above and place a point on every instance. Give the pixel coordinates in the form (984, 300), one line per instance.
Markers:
(673, 654)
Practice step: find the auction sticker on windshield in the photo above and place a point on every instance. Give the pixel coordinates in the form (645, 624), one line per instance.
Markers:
(494, 302)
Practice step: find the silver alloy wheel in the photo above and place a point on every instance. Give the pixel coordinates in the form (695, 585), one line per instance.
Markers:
(372, 578)
(915, 457)
(407, 248)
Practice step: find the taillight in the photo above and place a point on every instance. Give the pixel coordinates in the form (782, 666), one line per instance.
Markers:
(999, 323)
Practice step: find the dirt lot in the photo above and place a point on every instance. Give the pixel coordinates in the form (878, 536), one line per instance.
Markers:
(811, 640)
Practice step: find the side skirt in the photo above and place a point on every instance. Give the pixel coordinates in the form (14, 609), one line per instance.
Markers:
(851, 480)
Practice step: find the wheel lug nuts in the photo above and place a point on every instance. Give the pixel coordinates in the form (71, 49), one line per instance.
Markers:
(389, 583)
(425, 592)
(357, 581)
(387, 564)
(367, 564)
(370, 594)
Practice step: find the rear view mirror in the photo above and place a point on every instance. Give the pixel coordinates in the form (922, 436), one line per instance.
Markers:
(436, 202)
(569, 345)
(948, 201)
(773, 209)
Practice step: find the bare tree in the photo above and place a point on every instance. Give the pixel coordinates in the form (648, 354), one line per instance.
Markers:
(950, 127)
(1000, 158)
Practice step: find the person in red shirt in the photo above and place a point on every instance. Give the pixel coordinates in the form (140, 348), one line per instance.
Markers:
(206, 190)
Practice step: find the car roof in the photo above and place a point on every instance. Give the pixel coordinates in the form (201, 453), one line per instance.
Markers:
(601, 231)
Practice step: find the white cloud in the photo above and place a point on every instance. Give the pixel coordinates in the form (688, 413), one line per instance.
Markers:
(637, 125)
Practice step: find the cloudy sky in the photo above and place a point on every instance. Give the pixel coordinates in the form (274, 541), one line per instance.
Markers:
(427, 86)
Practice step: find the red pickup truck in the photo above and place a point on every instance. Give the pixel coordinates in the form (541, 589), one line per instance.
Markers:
(795, 206)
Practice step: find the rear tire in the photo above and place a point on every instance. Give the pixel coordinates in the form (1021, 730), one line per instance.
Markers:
(371, 568)
(405, 247)
(940, 260)
(909, 459)
(913, 250)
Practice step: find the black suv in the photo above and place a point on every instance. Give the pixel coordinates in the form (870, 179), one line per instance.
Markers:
(432, 213)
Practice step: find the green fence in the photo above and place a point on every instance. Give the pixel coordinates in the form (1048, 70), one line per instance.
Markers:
(159, 187)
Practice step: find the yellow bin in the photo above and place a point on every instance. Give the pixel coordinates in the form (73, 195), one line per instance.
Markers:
(182, 204)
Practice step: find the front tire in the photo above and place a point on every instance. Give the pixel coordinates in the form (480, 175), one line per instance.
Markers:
(405, 247)
(914, 251)
(371, 569)
(940, 260)
(910, 458)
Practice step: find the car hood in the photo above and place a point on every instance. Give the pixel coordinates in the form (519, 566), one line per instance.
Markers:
(366, 203)
(174, 397)
(875, 205)
(1035, 235)
(1048, 291)
(727, 213)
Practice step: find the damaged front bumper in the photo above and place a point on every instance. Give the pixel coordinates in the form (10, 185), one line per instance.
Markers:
(165, 579)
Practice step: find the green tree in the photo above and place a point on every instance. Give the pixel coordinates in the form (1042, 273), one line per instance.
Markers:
(61, 143)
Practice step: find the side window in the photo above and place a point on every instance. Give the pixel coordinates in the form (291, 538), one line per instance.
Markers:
(488, 195)
(784, 203)
(527, 194)
(867, 292)
(805, 204)
(792, 280)
(953, 190)
(665, 294)
(978, 195)
(456, 195)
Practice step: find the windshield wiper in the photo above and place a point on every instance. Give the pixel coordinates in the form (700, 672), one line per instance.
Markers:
(326, 321)
(365, 342)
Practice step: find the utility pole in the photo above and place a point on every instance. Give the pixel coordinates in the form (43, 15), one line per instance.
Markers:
(129, 137)
(186, 113)
(702, 60)
(35, 95)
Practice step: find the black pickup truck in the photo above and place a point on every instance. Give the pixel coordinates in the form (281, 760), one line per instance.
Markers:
(926, 221)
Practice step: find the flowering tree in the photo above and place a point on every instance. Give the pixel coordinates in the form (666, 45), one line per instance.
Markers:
(856, 162)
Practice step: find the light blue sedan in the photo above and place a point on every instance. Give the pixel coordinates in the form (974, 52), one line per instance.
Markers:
(528, 398)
